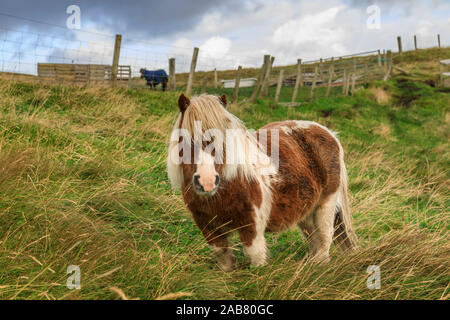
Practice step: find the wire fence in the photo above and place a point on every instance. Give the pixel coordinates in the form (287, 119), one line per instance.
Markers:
(87, 58)
(21, 51)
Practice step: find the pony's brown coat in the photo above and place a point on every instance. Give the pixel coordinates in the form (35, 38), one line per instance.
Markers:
(308, 172)
(231, 209)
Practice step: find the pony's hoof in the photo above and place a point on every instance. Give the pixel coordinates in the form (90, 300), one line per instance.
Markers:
(320, 259)
(227, 268)
(228, 265)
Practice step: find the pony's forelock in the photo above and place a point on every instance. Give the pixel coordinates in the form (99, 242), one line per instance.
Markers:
(209, 110)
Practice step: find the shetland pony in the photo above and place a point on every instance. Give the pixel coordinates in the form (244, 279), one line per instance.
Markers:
(244, 188)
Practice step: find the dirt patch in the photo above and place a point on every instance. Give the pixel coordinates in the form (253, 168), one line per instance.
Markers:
(383, 130)
(326, 113)
(430, 82)
(381, 96)
(408, 93)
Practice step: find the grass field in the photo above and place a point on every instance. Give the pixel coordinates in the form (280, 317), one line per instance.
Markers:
(83, 182)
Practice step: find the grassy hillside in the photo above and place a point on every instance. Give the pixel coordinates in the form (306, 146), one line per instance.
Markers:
(423, 61)
(83, 182)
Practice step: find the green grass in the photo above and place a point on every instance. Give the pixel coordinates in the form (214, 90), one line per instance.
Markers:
(83, 182)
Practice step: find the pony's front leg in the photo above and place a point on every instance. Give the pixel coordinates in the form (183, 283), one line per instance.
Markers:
(254, 246)
(219, 243)
(217, 239)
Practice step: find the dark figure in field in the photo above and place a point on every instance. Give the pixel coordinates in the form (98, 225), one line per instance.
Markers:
(155, 77)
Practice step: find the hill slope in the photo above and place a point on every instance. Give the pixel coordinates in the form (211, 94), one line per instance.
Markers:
(83, 182)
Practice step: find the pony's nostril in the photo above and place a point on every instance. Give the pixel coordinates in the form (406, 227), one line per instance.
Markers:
(217, 180)
(197, 179)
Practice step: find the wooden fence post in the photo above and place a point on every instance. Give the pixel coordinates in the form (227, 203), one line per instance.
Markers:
(298, 80)
(353, 83)
(279, 84)
(237, 82)
(205, 83)
(379, 58)
(415, 42)
(439, 40)
(366, 73)
(313, 85)
(330, 78)
(172, 84)
(191, 72)
(115, 62)
(399, 43)
(320, 66)
(265, 84)
(260, 77)
(215, 78)
(344, 80)
(347, 87)
(389, 68)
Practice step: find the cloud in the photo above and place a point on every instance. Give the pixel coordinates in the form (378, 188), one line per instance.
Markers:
(312, 27)
(311, 33)
(228, 33)
(145, 18)
(217, 47)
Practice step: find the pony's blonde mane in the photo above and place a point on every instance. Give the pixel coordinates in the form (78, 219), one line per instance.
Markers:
(209, 110)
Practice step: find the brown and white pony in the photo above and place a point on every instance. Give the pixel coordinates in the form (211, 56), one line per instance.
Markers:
(227, 190)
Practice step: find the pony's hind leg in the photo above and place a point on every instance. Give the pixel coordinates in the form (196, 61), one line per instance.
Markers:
(308, 228)
(318, 228)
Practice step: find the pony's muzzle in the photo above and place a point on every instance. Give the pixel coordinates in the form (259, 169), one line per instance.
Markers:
(206, 185)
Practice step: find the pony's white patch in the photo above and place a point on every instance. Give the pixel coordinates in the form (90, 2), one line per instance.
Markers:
(257, 251)
(206, 171)
(205, 159)
(287, 130)
(305, 124)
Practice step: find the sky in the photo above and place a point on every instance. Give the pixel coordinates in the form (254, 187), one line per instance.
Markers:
(228, 32)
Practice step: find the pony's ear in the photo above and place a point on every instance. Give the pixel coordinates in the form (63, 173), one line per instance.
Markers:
(183, 102)
(223, 99)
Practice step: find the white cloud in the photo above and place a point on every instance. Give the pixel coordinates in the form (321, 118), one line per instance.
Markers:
(217, 47)
(311, 34)
(317, 27)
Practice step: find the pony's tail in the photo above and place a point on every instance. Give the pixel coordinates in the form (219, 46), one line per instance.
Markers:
(343, 230)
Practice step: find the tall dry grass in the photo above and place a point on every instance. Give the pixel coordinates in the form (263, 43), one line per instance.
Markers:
(82, 182)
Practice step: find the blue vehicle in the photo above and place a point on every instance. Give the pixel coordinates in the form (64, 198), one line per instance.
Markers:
(155, 77)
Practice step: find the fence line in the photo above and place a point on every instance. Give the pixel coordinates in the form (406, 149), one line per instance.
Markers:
(87, 62)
